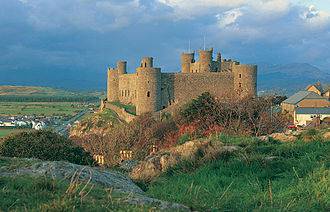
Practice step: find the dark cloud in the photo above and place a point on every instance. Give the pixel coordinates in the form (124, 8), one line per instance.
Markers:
(70, 43)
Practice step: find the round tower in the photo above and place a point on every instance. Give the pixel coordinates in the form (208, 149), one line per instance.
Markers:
(245, 80)
(122, 67)
(112, 85)
(147, 62)
(186, 60)
(148, 86)
(205, 60)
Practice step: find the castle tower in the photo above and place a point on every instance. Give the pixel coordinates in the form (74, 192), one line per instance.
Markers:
(186, 60)
(147, 62)
(112, 85)
(205, 60)
(219, 57)
(245, 80)
(122, 67)
(148, 87)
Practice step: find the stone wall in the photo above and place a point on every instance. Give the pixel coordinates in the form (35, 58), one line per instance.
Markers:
(121, 112)
(127, 91)
(180, 88)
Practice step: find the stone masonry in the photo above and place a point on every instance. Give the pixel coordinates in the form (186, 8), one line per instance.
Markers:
(150, 90)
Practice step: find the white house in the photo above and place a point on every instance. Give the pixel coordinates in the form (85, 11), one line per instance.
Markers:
(304, 116)
(38, 126)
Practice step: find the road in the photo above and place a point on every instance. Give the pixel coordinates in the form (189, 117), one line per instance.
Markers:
(63, 129)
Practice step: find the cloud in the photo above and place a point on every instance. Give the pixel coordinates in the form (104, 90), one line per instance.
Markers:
(97, 15)
(229, 17)
(87, 35)
(187, 9)
(315, 18)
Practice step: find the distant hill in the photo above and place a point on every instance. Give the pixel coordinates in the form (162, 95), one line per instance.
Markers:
(290, 77)
(34, 93)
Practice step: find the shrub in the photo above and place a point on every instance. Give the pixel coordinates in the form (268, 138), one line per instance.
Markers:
(184, 138)
(138, 136)
(44, 145)
(252, 116)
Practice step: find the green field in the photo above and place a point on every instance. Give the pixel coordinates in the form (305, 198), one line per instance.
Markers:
(40, 108)
(44, 94)
(5, 132)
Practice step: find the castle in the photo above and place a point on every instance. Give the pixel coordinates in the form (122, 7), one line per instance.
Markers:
(150, 90)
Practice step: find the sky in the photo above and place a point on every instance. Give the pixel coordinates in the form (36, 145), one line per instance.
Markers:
(70, 43)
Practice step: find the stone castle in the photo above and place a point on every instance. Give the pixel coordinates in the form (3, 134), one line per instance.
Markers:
(150, 90)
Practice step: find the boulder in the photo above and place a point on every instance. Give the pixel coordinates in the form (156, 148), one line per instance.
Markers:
(283, 137)
(198, 150)
(326, 135)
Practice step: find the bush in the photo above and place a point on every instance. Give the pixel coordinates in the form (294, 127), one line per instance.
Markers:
(138, 136)
(44, 145)
(252, 116)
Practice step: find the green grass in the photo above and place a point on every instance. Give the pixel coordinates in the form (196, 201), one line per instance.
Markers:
(43, 194)
(4, 132)
(44, 94)
(40, 108)
(296, 178)
(128, 108)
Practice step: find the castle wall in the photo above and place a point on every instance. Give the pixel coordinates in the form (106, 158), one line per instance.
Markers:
(127, 92)
(180, 88)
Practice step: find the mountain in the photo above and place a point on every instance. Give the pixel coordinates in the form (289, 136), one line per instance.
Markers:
(289, 78)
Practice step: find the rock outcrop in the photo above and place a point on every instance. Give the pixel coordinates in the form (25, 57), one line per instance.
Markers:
(197, 150)
(280, 137)
(106, 178)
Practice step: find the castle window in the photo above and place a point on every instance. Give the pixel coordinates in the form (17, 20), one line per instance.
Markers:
(240, 75)
(145, 64)
(148, 94)
(240, 85)
(128, 92)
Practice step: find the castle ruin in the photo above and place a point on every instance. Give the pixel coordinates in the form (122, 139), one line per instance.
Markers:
(150, 90)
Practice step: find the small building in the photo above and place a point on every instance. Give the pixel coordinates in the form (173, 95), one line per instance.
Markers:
(306, 116)
(304, 99)
(320, 89)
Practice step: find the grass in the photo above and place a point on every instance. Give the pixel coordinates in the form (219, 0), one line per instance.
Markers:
(261, 176)
(4, 132)
(40, 108)
(128, 108)
(44, 194)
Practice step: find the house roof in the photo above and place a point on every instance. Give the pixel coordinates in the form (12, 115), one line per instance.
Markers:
(322, 88)
(313, 110)
(297, 97)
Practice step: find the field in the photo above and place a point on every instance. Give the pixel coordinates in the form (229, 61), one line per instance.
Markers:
(5, 132)
(40, 108)
(262, 176)
(44, 94)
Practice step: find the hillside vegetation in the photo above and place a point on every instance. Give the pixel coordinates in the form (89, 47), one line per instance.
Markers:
(43, 94)
(262, 175)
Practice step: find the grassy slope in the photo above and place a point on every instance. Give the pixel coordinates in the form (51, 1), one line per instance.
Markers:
(27, 193)
(41, 194)
(297, 179)
(40, 108)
